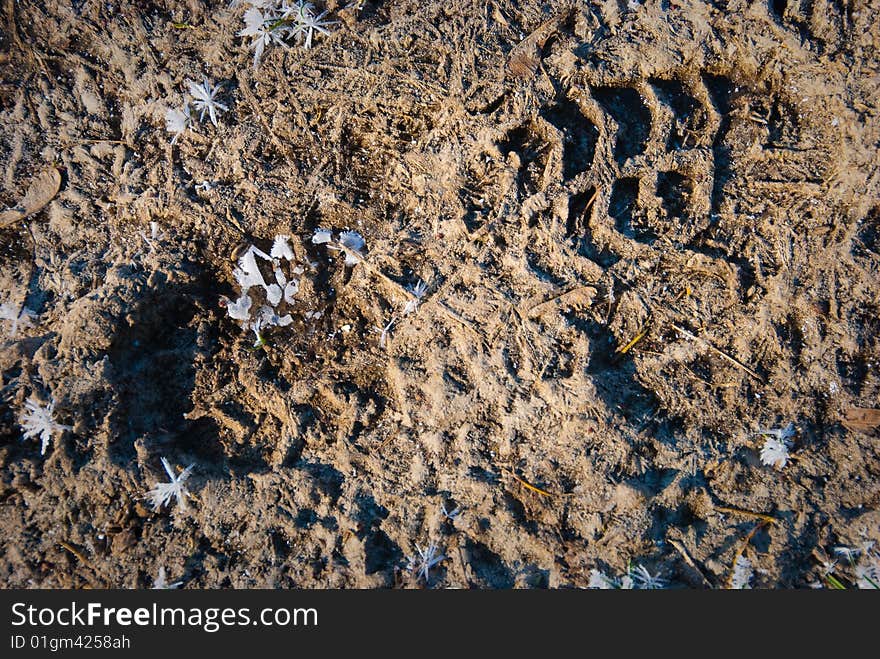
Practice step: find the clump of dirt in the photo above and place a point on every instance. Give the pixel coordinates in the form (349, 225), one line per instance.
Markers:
(648, 232)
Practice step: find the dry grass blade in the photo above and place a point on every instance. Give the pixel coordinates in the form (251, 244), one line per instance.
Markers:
(718, 352)
(528, 485)
(73, 550)
(690, 561)
(748, 513)
(95, 579)
(638, 337)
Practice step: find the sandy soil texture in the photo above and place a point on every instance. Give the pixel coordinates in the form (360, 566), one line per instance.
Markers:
(648, 232)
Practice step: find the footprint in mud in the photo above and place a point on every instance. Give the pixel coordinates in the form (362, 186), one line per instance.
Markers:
(633, 118)
(623, 209)
(689, 117)
(667, 137)
(826, 25)
(579, 137)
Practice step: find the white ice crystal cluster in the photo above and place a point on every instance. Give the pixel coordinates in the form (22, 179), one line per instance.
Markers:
(163, 493)
(269, 22)
(19, 319)
(636, 577)
(421, 563)
(203, 98)
(38, 420)
(742, 573)
(777, 442)
(278, 288)
(350, 243)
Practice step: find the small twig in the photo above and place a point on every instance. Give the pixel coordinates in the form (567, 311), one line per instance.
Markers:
(748, 513)
(391, 437)
(591, 199)
(718, 352)
(73, 550)
(690, 561)
(638, 337)
(529, 485)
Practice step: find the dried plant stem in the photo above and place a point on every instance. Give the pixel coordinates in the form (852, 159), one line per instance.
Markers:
(527, 485)
(748, 513)
(718, 352)
(690, 561)
(638, 337)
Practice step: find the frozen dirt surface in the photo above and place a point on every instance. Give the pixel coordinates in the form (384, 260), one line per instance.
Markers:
(648, 231)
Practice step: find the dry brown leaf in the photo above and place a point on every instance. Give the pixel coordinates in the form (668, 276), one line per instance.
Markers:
(861, 419)
(578, 298)
(525, 56)
(41, 191)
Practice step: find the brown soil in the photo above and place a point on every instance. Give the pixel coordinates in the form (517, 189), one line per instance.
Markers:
(647, 232)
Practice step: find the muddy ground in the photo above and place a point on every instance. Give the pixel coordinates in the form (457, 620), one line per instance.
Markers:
(647, 230)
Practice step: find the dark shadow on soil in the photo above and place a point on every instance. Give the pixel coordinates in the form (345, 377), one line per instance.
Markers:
(579, 137)
(488, 567)
(633, 119)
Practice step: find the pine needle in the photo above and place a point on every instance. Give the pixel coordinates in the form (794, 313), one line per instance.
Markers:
(748, 513)
(718, 352)
(529, 485)
(690, 561)
(638, 337)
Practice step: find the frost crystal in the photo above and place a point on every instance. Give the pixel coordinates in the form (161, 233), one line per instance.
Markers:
(203, 99)
(177, 121)
(421, 564)
(291, 289)
(248, 273)
(782, 434)
(642, 578)
(418, 293)
(637, 577)
(23, 319)
(742, 573)
(161, 582)
(383, 336)
(322, 236)
(162, 494)
(776, 444)
(273, 294)
(155, 236)
(241, 308)
(352, 244)
(39, 420)
(849, 553)
(774, 453)
(309, 24)
(868, 572)
(600, 580)
(281, 248)
(269, 318)
(256, 27)
(278, 21)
